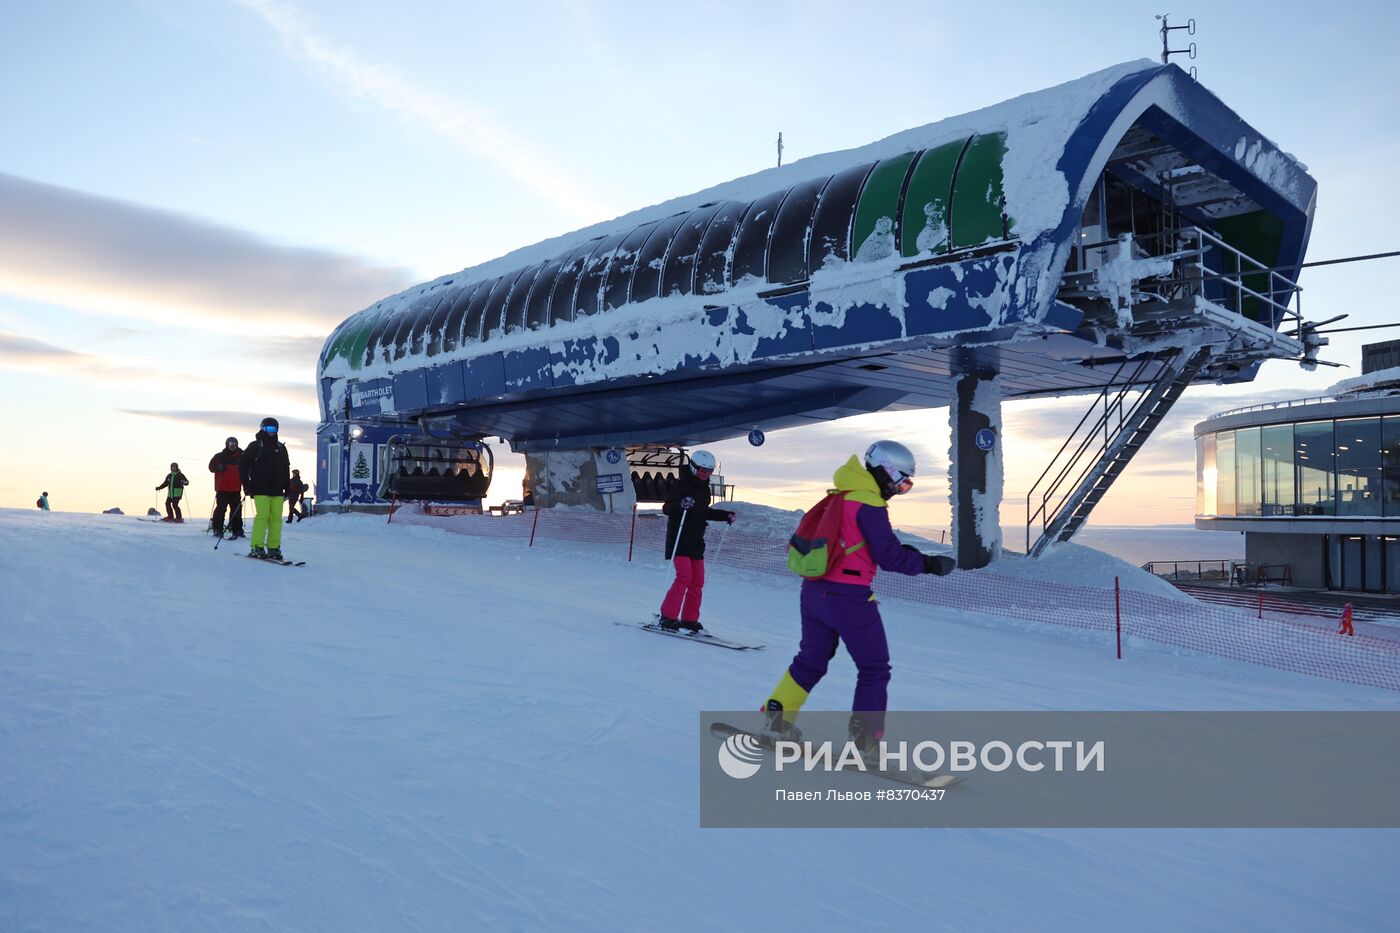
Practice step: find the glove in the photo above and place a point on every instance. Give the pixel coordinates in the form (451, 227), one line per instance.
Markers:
(731, 518)
(688, 502)
(938, 565)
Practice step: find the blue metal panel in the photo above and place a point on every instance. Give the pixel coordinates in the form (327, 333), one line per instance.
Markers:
(941, 299)
(796, 338)
(484, 376)
(411, 390)
(371, 397)
(863, 323)
(445, 385)
(528, 369)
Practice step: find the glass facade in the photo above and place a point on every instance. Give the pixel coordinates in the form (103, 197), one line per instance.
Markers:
(1346, 467)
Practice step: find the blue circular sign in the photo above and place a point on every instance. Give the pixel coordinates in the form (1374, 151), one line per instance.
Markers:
(986, 439)
(756, 437)
(614, 455)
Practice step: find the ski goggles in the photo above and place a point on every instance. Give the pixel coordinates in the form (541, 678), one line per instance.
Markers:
(270, 428)
(902, 483)
(703, 473)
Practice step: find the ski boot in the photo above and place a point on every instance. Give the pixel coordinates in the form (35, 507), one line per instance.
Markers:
(275, 553)
(693, 627)
(259, 552)
(667, 624)
(777, 726)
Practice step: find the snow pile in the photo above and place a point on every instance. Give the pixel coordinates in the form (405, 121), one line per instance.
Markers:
(1381, 378)
(425, 731)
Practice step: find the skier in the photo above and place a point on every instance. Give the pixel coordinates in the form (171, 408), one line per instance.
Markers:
(687, 510)
(174, 485)
(228, 489)
(42, 502)
(840, 606)
(1346, 628)
(266, 474)
(295, 490)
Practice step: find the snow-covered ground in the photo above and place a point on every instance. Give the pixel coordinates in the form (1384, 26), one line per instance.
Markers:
(426, 731)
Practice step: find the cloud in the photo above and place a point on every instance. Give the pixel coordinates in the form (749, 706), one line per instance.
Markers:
(292, 351)
(109, 256)
(26, 354)
(237, 423)
(470, 127)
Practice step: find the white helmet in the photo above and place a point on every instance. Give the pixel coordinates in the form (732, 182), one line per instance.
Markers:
(892, 465)
(702, 460)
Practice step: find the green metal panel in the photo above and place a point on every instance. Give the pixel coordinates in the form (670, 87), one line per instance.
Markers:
(1258, 235)
(346, 334)
(877, 212)
(355, 351)
(978, 203)
(924, 227)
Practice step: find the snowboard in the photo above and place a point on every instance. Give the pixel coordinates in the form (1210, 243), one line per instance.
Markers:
(929, 779)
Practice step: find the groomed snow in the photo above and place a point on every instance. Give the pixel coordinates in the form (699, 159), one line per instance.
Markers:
(424, 731)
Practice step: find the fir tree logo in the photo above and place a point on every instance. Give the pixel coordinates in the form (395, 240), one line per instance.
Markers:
(361, 470)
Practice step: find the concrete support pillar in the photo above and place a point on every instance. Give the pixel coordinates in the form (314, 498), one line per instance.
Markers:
(974, 464)
(575, 478)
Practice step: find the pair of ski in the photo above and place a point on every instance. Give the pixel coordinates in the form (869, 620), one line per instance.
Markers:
(702, 637)
(927, 779)
(273, 560)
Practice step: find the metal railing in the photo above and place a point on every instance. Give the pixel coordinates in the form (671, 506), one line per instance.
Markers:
(1190, 569)
(1059, 480)
(1265, 406)
(1201, 263)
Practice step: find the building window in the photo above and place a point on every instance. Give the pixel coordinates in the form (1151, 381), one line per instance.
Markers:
(1209, 476)
(1276, 469)
(1225, 473)
(333, 469)
(1390, 466)
(1313, 454)
(1359, 466)
(1247, 497)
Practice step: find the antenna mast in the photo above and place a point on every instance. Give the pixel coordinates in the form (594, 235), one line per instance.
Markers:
(1168, 51)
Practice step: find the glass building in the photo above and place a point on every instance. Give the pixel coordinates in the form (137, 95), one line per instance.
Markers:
(1314, 484)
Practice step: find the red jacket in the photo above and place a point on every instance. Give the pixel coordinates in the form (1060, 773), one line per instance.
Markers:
(224, 466)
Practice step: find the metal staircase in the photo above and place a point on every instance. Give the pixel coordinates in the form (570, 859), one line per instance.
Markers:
(1094, 455)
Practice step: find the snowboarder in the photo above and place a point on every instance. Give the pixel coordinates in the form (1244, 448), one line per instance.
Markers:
(840, 606)
(174, 485)
(42, 502)
(1346, 628)
(296, 489)
(266, 473)
(687, 510)
(228, 489)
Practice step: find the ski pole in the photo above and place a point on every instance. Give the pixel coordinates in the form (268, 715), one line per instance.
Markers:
(723, 536)
(679, 528)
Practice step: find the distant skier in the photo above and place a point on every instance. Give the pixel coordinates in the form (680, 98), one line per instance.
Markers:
(42, 502)
(1346, 628)
(687, 510)
(266, 474)
(174, 485)
(296, 492)
(841, 607)
(228, 489)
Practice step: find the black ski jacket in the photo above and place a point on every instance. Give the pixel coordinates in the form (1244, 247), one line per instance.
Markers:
(689, 500)
(265, 469)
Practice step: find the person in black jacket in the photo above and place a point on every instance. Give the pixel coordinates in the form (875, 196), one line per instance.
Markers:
(266, 473)
(687, 509)
(174, 485)
(296, 493)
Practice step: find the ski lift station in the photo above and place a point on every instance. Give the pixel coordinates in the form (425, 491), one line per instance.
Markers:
(1119, 237)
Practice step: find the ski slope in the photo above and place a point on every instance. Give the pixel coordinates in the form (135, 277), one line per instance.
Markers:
(426, 731)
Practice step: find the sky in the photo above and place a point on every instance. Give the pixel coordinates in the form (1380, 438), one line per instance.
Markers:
(193, 193)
